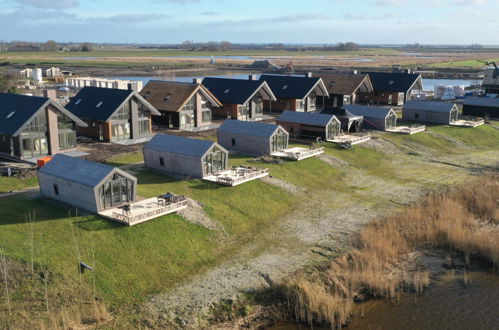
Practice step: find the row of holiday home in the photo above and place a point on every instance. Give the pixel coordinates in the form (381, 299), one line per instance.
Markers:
(32, 127)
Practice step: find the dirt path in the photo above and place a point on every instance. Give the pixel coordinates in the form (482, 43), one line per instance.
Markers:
(314, 232)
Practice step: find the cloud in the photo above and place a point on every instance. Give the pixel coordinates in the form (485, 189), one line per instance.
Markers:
(127, 18)
(49, 4)
(391, 2)
(210, 13)
(470, 2)
(178, 2)
(361, 17)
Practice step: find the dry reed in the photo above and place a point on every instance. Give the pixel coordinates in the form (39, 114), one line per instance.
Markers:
(464, 218)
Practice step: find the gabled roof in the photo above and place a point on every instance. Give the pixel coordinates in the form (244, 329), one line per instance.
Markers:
(16, 111)
(340, 113)
(368, 111)
(430, 106)
(293, 87)
(306, 118)
(482, 101)
(395, 81)
(78, 170)
(236, 91)
(173, 95)
(100, 103)
(345, 84)
(249, 128)
(181, 145)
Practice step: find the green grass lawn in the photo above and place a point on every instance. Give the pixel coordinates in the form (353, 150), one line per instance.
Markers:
(132, 263)
(11, 183)
(124, 159)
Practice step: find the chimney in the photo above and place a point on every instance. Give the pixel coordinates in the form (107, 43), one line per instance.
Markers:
(51, 94)
(252, 77)
(355, 72)
(197, 81)
(308, 75)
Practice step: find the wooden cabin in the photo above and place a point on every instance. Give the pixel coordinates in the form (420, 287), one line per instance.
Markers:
(377, 118)
(431, 112)
(240, 99)
(310, 125)
(185, 156)
(485, 107)
(252, 138)
(350, 123)
(346, 89)
(393, 88)
(185, 106)
(295, 93)
(113, 115)
(87, 185)
(32, 127)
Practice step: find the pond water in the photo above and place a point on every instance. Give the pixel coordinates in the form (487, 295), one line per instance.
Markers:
(451, 303)
(429, 84)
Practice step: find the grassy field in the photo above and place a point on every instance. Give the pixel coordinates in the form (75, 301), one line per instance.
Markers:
(134, 263)
(12, 183)
(186, 53)
(467, 63)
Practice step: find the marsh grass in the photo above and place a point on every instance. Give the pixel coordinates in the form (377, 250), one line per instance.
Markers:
(463, 218)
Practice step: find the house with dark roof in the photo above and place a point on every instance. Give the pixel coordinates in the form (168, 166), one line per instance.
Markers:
(310, 125)
(182, 105)
(486, 107)
(241, 99)
(252, 138)
(115, 115)
(295, 93)
(346, 89)
(394, 88)
(87, 185)
(431, 112)
(32, 127)
(185, 156)
(377, 118)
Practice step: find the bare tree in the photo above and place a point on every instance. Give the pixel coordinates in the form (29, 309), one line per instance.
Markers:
(50, 46)
(87, 47)
(225, 45)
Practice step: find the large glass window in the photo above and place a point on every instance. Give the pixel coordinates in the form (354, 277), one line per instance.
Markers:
(279, 141)
(257, 105)
(205, 111)
(333, 129)
(67, 132)
(117, 191)
(391, 120)
(34, 137)
(191, 105)
(300, 105)
(214, 161)
(243, 112)
(120, 123)
(311, 100)
(144, 120)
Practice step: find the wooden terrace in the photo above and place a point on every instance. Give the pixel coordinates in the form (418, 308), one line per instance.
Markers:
(237, 175)
(468, 123)
(408, 130)
(350, 139)
(145, 210)
(298, 153)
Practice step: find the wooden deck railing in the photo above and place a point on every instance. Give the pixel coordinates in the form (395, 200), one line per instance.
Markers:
(181, 201)
(247, 175)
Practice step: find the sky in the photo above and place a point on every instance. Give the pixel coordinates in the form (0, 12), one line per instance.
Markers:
(252, 21)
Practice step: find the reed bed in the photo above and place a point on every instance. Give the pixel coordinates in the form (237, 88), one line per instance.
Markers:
(463, 218)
